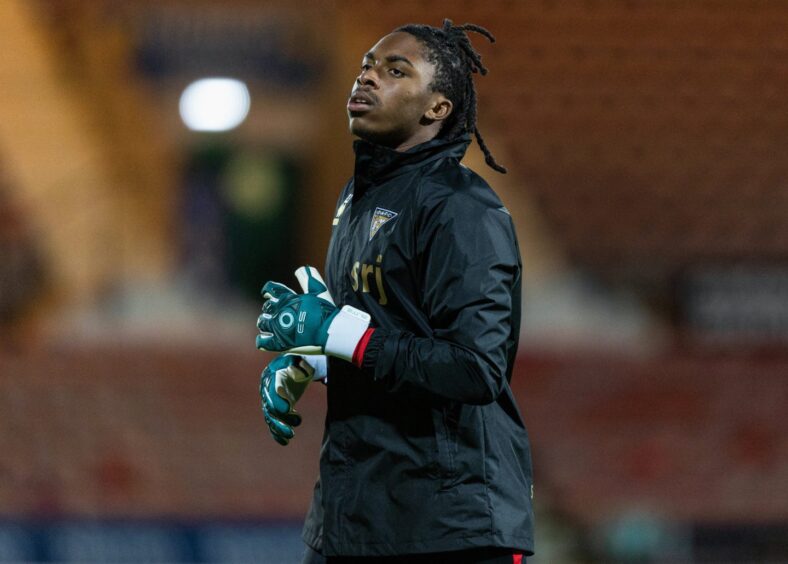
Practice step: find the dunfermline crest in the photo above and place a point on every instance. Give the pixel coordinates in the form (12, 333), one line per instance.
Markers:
(379, 219)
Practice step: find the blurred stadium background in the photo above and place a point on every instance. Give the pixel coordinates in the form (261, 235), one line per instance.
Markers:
(647, 143)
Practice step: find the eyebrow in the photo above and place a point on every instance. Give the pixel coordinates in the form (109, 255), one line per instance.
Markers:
(390, 58)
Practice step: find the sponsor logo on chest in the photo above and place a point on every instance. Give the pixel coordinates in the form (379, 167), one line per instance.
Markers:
(362, 272)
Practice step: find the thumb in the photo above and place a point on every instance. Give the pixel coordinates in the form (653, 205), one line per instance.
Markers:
(312, 283)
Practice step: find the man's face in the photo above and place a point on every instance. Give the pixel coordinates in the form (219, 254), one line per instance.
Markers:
(391, 94)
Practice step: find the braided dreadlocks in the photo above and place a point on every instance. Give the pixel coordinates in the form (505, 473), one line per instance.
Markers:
(455, 60)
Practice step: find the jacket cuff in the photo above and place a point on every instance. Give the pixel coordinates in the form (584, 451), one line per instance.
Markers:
(373, 351)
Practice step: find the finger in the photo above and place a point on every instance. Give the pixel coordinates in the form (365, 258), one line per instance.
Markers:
(270, 306)
(275, 291)
(278, 401)
(310, 280)
(292, 418)
(264, 322)
(266, 340)
(281, 440)
(278, 427)
(312, 283)
(273, 402)
(306, 350)
(269, 343)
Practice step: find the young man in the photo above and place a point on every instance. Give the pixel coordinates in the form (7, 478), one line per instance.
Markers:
(425, 457)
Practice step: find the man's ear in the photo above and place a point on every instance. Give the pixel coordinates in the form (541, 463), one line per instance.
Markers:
(440, 109)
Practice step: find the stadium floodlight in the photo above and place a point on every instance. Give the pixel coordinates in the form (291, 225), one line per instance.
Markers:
(214, 104)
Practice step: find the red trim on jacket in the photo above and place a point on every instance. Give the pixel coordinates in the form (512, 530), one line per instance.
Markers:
(361, 347)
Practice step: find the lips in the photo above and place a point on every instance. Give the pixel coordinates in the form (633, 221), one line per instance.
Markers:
(359, 102)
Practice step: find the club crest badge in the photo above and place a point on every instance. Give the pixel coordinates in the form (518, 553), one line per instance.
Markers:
(379, 219)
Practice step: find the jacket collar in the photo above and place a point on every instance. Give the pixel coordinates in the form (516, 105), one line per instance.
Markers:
(376, 163)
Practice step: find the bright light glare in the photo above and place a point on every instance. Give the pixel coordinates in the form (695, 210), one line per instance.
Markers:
(214, 104)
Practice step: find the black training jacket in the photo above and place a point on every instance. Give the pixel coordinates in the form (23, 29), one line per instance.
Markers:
(424, 447)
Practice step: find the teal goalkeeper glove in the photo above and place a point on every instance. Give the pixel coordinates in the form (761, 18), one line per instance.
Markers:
(308, 323)
(282, 384)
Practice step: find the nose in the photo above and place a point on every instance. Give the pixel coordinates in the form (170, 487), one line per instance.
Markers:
(367, 78)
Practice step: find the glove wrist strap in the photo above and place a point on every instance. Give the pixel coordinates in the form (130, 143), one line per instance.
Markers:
(346, 330)
(319, 365)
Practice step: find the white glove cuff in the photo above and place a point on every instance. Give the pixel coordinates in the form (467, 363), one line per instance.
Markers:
(345, 332)
(319, 364)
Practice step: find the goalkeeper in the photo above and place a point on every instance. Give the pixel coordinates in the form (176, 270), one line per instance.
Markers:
(425, 457)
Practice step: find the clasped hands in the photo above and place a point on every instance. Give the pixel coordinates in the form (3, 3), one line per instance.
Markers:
(302, 326)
